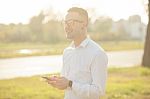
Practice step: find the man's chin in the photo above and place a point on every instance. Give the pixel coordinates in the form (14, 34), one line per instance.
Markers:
(69, 37)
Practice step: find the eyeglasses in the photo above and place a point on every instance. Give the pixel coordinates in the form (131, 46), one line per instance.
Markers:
(72, 22)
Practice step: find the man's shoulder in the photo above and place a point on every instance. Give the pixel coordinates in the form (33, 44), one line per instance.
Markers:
(67, 49)
(94, 49)
(94, 46)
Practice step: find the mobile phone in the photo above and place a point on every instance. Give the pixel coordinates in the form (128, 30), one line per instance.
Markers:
(47, 78)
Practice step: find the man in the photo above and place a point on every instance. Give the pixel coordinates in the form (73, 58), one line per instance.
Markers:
(84, 69)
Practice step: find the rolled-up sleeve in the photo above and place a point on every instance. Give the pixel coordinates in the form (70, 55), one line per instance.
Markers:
(99, 76)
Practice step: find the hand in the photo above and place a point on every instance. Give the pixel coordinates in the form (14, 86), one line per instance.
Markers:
(58, 82)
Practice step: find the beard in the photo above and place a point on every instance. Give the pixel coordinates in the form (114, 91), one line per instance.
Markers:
(69, 35)
(73, 33)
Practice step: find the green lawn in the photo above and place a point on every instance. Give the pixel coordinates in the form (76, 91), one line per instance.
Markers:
(8, 50)
(122, 83)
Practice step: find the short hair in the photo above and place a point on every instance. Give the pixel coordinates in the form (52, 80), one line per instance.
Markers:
(81, 11)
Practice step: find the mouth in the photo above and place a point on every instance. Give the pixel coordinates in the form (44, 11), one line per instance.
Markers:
(68, 29)
(68, 33)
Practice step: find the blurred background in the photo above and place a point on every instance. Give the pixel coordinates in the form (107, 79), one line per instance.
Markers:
(32, 40)
(34, 27)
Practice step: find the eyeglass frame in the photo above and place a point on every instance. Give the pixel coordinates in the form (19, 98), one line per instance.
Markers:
(72, 21)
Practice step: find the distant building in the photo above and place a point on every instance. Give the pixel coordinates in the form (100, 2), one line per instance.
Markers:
(133, 27)
(136, 28)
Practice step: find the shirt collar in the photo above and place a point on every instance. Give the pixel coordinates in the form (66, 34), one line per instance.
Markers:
(83, 43)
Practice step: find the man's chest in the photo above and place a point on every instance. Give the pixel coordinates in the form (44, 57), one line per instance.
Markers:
(78, 65)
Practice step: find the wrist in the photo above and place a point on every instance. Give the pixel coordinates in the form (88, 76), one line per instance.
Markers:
(70, 84)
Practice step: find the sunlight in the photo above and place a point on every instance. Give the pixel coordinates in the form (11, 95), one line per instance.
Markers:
(23, 10)
(25, 51)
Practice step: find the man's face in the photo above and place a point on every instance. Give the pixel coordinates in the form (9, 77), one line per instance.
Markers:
(74, 25)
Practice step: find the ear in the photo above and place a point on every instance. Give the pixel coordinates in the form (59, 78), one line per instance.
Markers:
(84, 25)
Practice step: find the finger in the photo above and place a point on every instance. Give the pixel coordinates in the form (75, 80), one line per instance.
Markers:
(54, 84)
(55, 78)
(51, 82)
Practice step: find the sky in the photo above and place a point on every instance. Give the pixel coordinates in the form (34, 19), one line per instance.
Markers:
(20, 11)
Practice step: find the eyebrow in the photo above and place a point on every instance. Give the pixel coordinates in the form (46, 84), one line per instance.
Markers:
(74, 20)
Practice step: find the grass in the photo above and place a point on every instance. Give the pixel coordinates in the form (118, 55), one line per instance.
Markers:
(121, 45)
(128, 83)
(28, 88)
(38, 49)
(8, 50)
(122, 83)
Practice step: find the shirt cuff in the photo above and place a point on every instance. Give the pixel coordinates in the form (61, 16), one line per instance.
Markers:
(74, 85)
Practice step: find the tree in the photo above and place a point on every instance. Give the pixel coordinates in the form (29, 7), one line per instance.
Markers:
(36, 26)
(146, 56)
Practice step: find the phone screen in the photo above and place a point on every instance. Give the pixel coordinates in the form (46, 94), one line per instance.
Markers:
(45, 77)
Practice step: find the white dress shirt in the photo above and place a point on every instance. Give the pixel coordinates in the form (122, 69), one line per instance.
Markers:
(86, 66)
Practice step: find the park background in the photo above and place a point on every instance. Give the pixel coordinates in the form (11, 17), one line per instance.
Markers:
(34, 28)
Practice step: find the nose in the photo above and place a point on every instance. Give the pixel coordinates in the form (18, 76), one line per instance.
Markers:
(68, 24)
(68, 29)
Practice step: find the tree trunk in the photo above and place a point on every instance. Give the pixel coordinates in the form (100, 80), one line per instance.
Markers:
(146, 56)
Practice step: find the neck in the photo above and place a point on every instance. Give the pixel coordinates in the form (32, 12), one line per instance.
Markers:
(78, 41)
